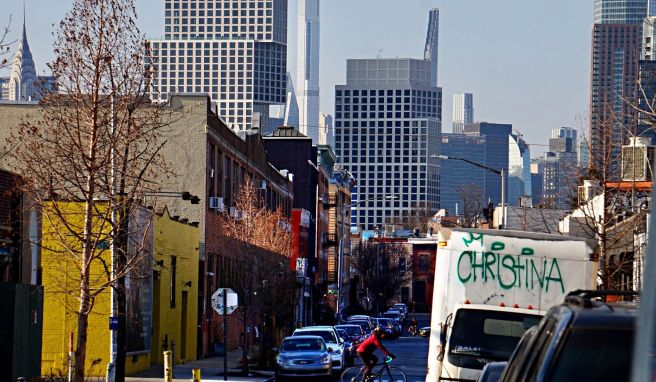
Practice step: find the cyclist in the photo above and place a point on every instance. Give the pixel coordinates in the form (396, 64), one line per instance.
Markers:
(368, 347)
(412, 329)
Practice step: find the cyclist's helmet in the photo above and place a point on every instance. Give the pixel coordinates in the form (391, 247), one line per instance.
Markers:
(378, 330)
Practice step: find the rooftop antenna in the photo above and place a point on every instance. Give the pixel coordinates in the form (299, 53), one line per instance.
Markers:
(380, 54)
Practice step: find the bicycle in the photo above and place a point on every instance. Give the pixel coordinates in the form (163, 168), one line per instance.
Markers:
(381, 372)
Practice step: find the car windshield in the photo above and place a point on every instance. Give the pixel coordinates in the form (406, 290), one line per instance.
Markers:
(327, 335)
(303, 344)
(488, 334)
(384, 321)
(363, 324)
(391, 315)
(342, 334)
(352, 330)
(595, 355)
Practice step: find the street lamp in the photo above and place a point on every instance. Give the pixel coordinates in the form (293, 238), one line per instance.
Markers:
(484, 167)
(340, 265)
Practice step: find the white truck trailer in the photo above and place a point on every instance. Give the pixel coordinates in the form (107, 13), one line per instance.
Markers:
(490, 287)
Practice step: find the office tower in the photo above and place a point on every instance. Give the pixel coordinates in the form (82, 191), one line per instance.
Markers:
(387, 126)
(561, 169)
(616, 49)
(463, 111)
(519, 169)
(619, 11)
(326, 130)
(460, 179)
(4, 88)
(307, 68)
(537, 179)
(235, 51)
(430, 49)
(583, 155)
(496, 155)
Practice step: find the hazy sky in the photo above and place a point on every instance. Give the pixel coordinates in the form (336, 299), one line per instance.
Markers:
(526, 61)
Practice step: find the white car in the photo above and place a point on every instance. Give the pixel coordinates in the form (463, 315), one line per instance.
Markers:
(332, 340)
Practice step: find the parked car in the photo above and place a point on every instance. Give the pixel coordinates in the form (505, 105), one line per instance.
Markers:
(394, 315)
(303, 357)
(360, 317)
(583, 339)
(491, 372)
(366, 326)
(425, 331)
(397, 310)
(391, 328)
(349, 350)
(401, 306)
(332, 340)
(354, 331)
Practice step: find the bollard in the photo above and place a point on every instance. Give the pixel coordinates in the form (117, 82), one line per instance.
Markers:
(195, 375)
(168, 366)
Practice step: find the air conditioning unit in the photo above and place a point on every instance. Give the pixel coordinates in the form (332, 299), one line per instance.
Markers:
(235, 213)
(262, 185)
(216, 203)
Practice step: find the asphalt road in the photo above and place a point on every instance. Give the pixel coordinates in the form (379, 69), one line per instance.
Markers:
(411, 352)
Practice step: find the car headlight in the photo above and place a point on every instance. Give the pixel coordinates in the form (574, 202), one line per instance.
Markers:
(325, 360)
(282, 361)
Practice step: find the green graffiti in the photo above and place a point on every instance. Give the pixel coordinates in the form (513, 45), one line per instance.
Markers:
(473, 238)
(509, 270)
(464, 279)
(498, 246)
(527, 252)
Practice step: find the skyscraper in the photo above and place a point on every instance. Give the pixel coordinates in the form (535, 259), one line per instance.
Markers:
(307, 68)
(326, 130)
(463, 111)
(560, 169)
(387, 126)
(464, 180)
(519, 169)
(22, 81)
(235, 51)
(619, 11)
(430, 49)
(616, 49)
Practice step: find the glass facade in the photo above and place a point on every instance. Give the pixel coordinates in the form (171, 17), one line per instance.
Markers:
(387, 126)
(458, 175)
(620, 11)
(234, 51)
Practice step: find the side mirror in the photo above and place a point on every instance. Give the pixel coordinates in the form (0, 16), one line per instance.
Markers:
(443, 336)
(341, 340)
(330, 350)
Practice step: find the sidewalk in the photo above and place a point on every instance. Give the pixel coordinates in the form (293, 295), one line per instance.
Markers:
(211, 369)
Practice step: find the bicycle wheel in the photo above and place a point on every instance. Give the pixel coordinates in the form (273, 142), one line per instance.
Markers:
(394, 374)
(352, 374)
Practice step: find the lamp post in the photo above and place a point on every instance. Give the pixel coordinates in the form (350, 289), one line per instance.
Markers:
(484, 167)
(340, 265)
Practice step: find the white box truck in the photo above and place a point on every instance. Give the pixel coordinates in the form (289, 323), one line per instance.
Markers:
(490, 287)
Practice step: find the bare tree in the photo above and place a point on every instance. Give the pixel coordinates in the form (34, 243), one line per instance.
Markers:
(419, 215)
(96, 145)
(5, 44)
(383, 268)
(472, 200)
(262, 243)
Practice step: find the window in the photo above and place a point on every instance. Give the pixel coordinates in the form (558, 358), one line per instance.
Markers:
(174, 265)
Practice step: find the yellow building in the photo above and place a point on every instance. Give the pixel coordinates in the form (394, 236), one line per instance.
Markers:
(152, 312)
(175, 288)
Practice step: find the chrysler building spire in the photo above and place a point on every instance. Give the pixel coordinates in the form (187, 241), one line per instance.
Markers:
(23, 75)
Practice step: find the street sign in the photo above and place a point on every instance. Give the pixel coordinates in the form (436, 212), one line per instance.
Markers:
(217, 300)
(113, 323)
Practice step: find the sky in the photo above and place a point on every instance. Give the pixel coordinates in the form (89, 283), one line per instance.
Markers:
(527, 62)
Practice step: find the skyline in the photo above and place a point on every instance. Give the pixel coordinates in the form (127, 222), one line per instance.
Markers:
(530, 70)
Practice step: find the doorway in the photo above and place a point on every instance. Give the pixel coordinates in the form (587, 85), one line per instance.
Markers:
(183, 326)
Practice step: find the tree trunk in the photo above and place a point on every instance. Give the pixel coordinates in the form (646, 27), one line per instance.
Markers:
(82, 324)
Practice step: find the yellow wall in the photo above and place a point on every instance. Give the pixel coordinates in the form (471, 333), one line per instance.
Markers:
(59, 319)
(174, 238)
(60, 274)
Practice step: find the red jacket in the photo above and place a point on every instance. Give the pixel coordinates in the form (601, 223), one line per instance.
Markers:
(370, 344)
